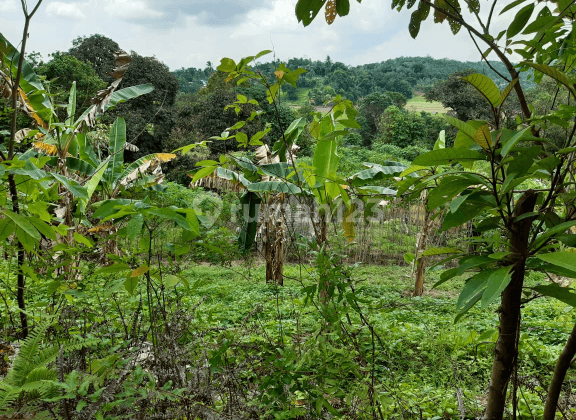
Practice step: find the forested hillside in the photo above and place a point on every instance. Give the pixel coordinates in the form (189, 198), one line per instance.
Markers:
(324, 79)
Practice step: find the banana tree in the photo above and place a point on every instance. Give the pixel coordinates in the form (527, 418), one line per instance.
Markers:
(266, 185)
(35, 190)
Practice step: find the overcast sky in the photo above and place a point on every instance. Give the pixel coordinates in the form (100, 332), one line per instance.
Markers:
(188, 33)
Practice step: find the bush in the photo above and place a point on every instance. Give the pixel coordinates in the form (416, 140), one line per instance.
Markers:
(400, 153)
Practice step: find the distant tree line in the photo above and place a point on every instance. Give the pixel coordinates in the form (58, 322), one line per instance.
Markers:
(325, 78)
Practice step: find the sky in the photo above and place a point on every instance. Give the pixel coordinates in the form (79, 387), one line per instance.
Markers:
(189, 33)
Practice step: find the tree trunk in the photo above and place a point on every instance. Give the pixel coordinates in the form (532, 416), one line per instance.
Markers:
(419, 284)
(421, 244)
(562, 366)
(273, 236)
(20, 261)
(506, 351)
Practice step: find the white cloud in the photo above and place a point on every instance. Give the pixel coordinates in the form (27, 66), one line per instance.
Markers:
(8, 5)
(64, 10)
(131, 10)
(177, 32)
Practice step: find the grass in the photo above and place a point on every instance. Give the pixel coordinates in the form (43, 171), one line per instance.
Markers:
(302, 98)
(422, 359)
(419, 103)
(426, 356)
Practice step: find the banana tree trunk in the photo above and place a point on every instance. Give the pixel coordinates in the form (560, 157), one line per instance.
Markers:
(273, 236)
(506, 350)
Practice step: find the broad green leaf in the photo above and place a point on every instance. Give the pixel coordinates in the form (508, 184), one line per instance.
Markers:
(203, 172)
(375, 189)
(561, 228)
(44, 228)
(560, 258)
(497, 282)
(95, 180)
(116, 146)
(81, 239)
(520, 21)
(134, 226)
(291, 134)
(446, 190)
(278, 170)
(170, 213)
(441, 141)
(76, 189)
(512, 5)
(468, 304)
(262, 53)
(107, 207)
(465, 212)
(445, 276)
(274, 186)
(343, 8)
(78, 165)
(474, 285)
(486, 87)
(522, 163)
(130, 284)
(30, 83)
(507, 90)
(465, 128)
(447, 156)
(227, 65)
(30, 170)
(440, 251)
(128, 93)
(512, 142)
(306, 10)
(114, 268)
(411, 169)
(27, 241)
(6, 229)
(71, 109)
(563, 294)
(553, 73)
(374, 173)
(23, 223)
(482, 137)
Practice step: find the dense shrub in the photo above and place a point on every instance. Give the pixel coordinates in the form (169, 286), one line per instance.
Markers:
(398, 153)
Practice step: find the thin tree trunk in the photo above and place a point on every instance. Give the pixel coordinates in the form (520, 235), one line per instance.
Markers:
(562, 366)
(323, 244)
(421, 244)
(11, 183)
(419, 284)
(506, 350)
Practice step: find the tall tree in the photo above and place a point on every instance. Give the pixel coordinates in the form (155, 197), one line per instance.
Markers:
(64, 69)
(97, 50)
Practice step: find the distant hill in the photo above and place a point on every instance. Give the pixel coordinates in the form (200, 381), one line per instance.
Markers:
(324, 79)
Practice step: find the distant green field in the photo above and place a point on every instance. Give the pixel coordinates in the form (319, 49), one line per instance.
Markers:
(418, 103)
(302, 97)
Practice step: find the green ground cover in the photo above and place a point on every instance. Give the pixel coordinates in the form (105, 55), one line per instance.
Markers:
(294, 354)
(424, 356)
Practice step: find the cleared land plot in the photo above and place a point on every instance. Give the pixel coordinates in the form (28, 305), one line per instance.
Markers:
(419, 103)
